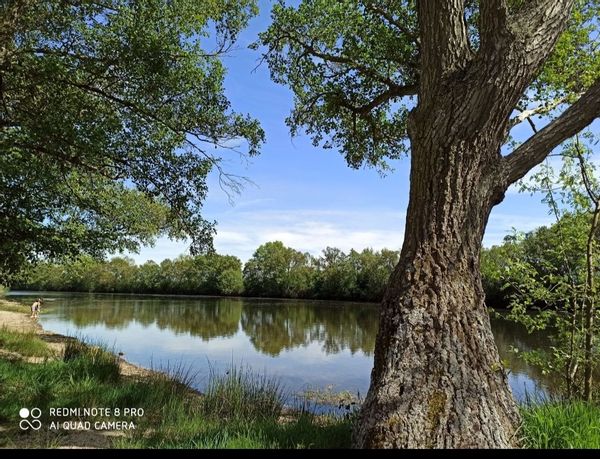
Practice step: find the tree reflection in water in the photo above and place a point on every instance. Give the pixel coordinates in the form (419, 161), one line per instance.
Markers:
(271, 326)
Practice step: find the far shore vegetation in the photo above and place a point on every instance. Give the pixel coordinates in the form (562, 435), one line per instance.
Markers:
(278, 271)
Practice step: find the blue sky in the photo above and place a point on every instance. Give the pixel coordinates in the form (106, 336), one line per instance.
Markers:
(308, 197)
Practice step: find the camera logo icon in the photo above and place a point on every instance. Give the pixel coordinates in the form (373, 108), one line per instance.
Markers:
(30, 419)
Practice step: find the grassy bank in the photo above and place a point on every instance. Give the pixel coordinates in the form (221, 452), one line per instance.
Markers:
(239, 409)
(11, 306)
(25, 344)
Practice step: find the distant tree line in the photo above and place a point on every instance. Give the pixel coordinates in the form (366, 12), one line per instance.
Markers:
(273, 271)
(277, 271)
(201, 275)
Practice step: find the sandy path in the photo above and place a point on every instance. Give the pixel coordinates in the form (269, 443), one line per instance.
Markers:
(19, 322)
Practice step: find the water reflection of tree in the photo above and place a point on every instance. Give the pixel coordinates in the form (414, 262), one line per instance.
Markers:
(274, 327)
(271, 326)
(510, 335)
(206, 319)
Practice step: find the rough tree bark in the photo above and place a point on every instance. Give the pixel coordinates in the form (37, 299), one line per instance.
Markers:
(438, 380)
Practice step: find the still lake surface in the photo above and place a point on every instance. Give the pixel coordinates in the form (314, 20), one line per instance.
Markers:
(307, 345)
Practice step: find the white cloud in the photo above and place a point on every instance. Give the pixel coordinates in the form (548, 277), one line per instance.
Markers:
(240, 233)
(241, 230)
(232, 237)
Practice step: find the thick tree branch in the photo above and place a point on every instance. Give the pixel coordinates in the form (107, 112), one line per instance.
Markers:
(534, 151)
(538, 24)
(515, 43)
(444, 40)
(493, 23)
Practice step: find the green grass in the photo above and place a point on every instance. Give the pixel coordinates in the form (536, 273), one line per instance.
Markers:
(561, 424)
(92, 360)
(13, 306)
(26, 344)
(303, 431)
(240, 409)
(82, 381)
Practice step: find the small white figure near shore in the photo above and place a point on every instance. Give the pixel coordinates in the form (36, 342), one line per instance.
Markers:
(36, 307)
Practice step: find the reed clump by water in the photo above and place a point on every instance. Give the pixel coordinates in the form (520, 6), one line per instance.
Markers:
(239, 408)
(561, 424)
(242, 393)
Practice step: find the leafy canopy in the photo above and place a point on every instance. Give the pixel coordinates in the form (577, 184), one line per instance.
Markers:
(110, 115)
(353, 66)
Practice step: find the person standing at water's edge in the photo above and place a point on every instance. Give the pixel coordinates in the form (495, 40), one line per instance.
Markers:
(35, 308)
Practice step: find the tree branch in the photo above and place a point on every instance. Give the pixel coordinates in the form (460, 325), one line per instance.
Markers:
(444, 40)
(397, 91)
(587, 183)
(539, 23)
(341, 59)
(112, 8)
(389, 17)
(526, 115)
(493, 22)
(73, 160)
(534, 151)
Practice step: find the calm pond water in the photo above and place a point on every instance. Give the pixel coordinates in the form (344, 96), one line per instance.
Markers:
(307, 345)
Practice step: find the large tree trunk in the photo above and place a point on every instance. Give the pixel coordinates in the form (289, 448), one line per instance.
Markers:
(438, 380)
